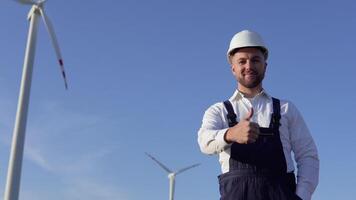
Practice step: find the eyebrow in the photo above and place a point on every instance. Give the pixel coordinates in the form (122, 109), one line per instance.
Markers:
(254, 57)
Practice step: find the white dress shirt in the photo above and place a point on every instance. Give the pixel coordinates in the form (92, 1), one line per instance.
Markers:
(294, 135)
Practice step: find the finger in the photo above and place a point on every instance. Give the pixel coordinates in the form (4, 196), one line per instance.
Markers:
(254, 128)
(255, 125)
(249, 115)
(253, 131)
(251, 139)
(253, 136)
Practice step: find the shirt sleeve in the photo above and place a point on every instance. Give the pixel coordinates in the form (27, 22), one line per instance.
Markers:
(212, 131)
(306, 155)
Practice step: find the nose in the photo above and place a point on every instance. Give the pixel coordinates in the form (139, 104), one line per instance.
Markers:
(249, 64)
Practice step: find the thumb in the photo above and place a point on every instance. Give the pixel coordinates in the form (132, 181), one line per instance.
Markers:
(249, 115)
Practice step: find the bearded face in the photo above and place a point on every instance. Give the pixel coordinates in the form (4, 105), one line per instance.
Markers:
(249, 67)
(250, 78)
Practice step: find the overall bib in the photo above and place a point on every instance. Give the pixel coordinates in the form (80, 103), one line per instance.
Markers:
(258, 171)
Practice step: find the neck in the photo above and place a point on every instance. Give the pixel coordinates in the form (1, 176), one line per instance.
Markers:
(250, 92)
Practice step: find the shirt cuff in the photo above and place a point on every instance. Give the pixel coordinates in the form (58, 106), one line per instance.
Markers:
(303, 193)
(220, 138)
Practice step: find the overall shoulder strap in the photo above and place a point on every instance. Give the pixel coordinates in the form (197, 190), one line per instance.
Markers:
(275, 120)
(231, 116)
(276, 117)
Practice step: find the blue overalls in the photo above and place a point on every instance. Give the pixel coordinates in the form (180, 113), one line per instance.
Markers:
(258, 171)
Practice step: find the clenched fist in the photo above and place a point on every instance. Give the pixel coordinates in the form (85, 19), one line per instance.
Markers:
(244, 132)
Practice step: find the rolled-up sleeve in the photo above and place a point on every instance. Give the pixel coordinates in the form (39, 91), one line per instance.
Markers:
(212, 131)
(306, 155)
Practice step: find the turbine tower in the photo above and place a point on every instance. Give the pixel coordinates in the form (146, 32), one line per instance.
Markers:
(171, 174)
(18, 139)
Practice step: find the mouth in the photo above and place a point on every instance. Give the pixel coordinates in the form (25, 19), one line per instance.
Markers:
(250, 75)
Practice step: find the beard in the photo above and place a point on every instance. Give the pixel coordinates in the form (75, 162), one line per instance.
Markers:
(251, 79)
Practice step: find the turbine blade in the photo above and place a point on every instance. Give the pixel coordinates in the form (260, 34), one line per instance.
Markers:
(53, 37)
(159, 163)
(186, 168)
(26, 2)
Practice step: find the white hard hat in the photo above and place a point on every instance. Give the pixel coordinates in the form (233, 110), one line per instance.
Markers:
(247, 38)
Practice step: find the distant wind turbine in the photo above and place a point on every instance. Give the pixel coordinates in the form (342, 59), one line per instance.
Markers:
(171, 174)
(18, 140)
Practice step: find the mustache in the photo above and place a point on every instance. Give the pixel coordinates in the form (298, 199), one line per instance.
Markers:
(250, 72)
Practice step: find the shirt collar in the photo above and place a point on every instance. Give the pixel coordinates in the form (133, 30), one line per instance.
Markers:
(239, 95)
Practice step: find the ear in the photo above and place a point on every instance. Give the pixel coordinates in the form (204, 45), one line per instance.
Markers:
(233, 69)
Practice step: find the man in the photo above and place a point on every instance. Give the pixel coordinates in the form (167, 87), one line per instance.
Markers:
(255, 134)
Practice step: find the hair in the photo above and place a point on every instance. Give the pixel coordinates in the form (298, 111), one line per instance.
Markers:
(264, 52)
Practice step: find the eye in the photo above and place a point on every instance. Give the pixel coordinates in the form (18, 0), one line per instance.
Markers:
(241, 62)
(256, 60)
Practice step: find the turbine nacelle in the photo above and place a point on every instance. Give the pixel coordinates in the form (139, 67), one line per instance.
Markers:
(171, 175)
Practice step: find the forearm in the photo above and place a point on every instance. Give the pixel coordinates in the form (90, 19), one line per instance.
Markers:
(212, 131)
(212, 141)
(307, 177)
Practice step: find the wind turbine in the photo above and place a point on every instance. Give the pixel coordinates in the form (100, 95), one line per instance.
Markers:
(171, 174)
(18, 140)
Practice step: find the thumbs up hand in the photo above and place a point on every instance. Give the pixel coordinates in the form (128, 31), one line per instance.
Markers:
(244, 132)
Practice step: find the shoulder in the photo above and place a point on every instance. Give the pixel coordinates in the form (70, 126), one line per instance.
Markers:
(289, 109)
(216, 108)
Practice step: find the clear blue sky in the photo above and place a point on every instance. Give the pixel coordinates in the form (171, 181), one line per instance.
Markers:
(142, 73)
